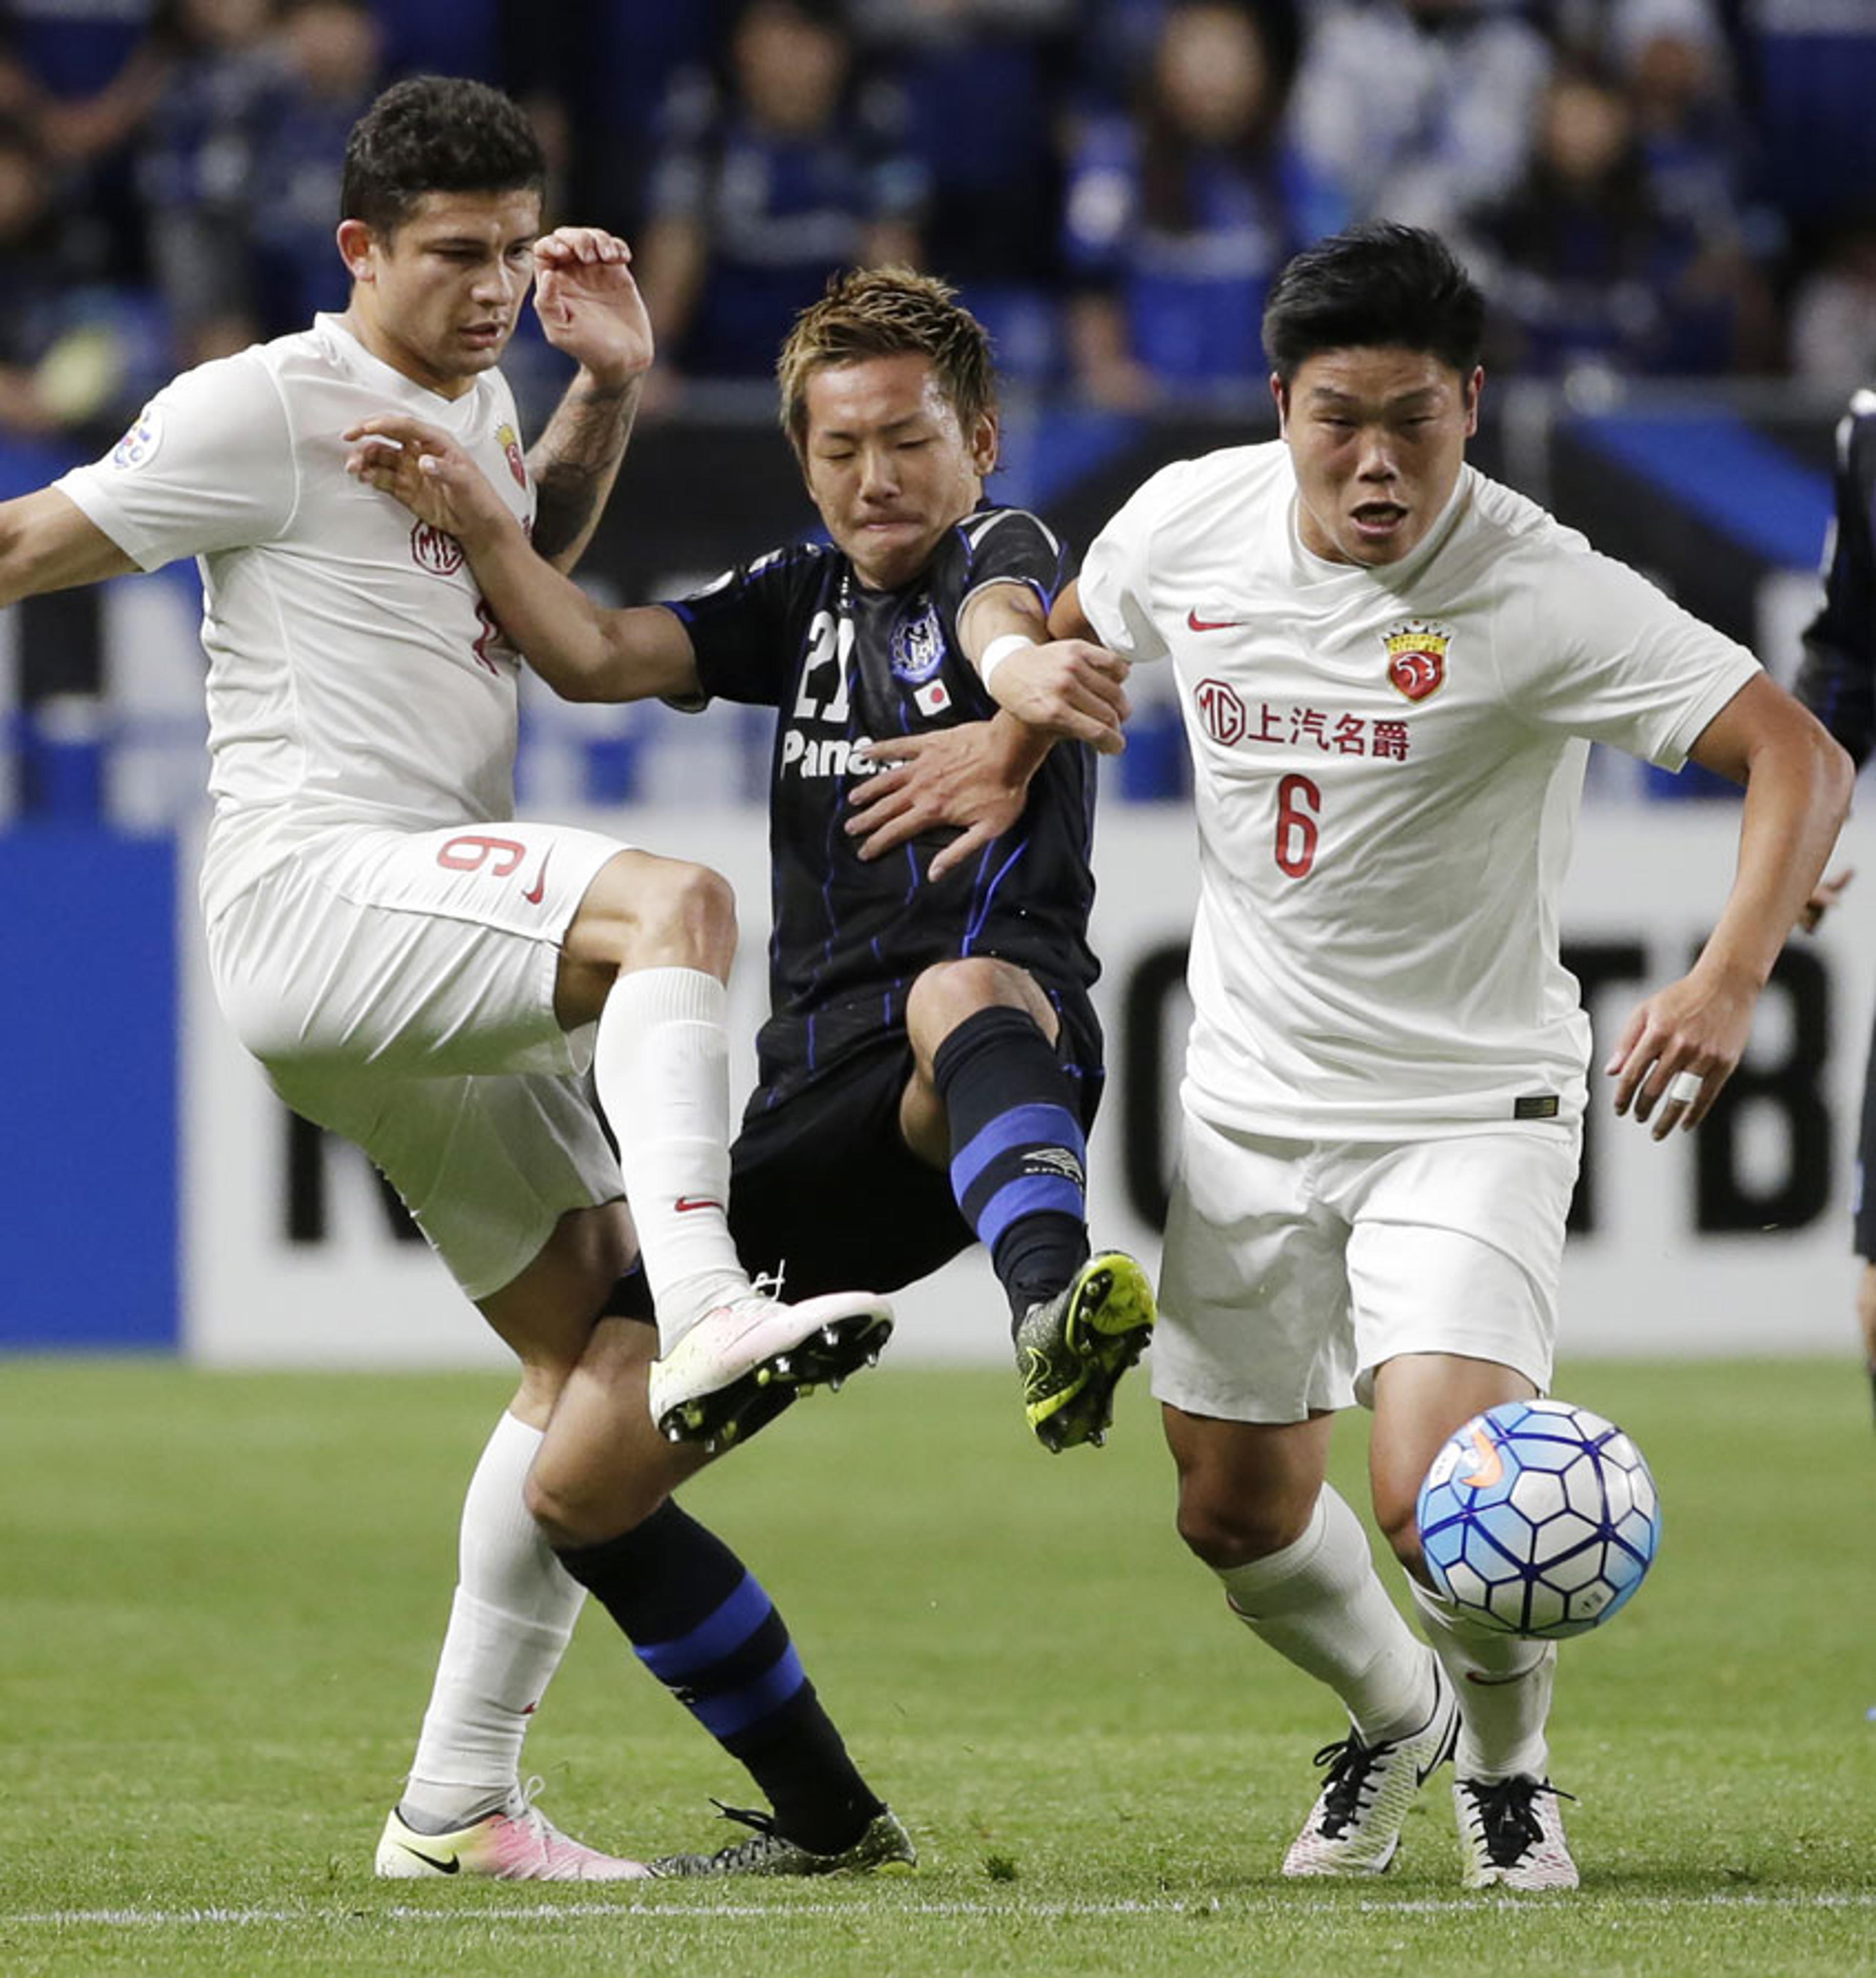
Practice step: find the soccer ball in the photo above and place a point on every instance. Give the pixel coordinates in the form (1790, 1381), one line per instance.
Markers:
(1539, 1518)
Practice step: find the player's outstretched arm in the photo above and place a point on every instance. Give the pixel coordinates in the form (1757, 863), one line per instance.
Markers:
(590, 307)
(1069, 688)
(1798, 783)
(48, 543)
(583, 651)
(975, 775)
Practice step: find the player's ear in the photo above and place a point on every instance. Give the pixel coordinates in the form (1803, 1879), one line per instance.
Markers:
(1475, 385)
(984, 439)
(355, 241)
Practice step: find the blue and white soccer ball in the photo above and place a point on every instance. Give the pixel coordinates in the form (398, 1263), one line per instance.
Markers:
(1539, 1518)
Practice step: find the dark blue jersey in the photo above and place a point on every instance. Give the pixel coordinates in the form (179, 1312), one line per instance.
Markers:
(1837, 681)
(843, 665)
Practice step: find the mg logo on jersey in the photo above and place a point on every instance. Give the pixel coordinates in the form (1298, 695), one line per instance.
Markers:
(1222, 712)
(509, 441)
(436, 552)
(1416, 656)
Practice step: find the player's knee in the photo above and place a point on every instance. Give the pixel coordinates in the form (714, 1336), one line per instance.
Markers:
(645, 912)
(1226, 1531)
(950, 993)
(567, 1513)
(1400, 1529)
(573, 1508)
(694, 905)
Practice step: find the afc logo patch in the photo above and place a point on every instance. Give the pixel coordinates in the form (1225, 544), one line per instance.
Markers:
(917, 649)
(1416, 649)
(435, 550)
(139, 444)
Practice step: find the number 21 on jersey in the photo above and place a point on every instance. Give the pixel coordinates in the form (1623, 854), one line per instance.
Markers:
(830, 641)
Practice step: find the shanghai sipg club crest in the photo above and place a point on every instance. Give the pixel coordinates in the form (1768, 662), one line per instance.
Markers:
(1417, 656)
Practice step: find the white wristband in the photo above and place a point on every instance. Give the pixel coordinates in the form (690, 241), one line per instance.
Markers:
(999, 651)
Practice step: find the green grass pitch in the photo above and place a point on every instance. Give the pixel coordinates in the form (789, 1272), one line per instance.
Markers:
(220, 1596)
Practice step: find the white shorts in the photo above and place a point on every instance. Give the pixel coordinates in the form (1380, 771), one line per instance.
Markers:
(398, 988)
(1293, 1268)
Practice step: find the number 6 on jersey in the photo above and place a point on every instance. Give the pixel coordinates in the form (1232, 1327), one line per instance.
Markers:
(1299, 804)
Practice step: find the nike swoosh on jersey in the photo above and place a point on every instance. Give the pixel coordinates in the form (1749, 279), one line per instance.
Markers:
(689, 1202)
(536, 893)
(1196, 623)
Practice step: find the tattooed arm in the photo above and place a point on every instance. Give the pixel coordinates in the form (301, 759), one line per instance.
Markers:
(590, 307)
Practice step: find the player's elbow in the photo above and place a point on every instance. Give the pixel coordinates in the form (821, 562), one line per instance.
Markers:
(1840, 773)
(1827, 767)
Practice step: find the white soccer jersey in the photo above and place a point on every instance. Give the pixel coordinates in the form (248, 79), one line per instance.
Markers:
(1387, 764)
(355, 676)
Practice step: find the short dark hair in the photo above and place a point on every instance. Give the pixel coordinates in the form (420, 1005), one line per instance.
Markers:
(436, 134)
(888, 313)
(1379, 284)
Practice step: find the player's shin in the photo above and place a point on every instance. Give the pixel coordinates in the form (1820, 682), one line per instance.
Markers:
(1321, 1604)
(702, 1623)
(1504, 1683)
(661, 1065)
(1018, 1156)
(513, 1612)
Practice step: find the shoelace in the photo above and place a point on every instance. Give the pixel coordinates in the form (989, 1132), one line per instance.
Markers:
(761, 1844)
(1506, 1815)
(1351, 1766)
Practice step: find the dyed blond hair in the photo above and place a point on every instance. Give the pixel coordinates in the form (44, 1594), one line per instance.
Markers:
(886, 312)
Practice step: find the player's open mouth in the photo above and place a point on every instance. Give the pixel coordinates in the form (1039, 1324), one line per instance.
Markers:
(1378, 518)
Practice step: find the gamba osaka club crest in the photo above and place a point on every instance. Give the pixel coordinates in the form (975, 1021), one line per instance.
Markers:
(1417, 656)
(917, 653)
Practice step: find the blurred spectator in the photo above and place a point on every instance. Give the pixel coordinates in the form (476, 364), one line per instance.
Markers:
(195, 162)
(785, 167)
(327, 70)
(610, 64)
(1179, 216)
(76, 357)
(1703, 169)
(454, 37)
(1588, 268)
(986, 83)
(1833, 311)
(1421, 109)
(81, 77)
(1812, 67)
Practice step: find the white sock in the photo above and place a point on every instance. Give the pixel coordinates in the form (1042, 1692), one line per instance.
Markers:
(513, 1613)
(661, 1064)
(1504, 1683)
(1321, 1604)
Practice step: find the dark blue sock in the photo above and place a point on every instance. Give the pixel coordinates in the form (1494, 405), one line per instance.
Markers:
(1018, 1159)
(701, 1622)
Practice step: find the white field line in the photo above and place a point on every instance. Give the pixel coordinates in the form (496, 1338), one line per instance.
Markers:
(1014, 1910)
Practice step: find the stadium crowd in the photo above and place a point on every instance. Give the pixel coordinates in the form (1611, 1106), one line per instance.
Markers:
(1645, 188)
(1656, 187)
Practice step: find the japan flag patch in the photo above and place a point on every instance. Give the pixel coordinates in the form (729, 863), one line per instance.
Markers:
(932, 699)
